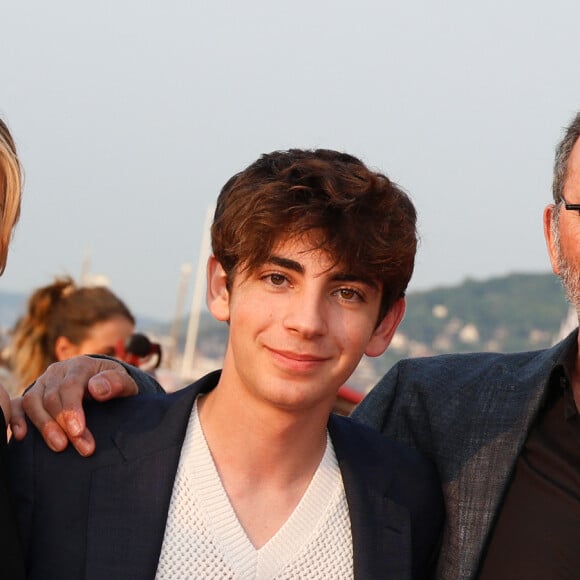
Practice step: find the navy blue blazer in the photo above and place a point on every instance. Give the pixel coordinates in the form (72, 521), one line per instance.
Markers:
(105, 516)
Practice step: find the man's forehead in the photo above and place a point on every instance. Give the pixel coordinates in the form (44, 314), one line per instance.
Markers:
(572, 182)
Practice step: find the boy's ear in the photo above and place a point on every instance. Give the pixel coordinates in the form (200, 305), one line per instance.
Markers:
(217, 296)
(385, 331)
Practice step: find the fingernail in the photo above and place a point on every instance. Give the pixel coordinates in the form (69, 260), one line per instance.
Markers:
(73, 427)
(56, 441)
(16, 430)
(100, 386)
(83, 447)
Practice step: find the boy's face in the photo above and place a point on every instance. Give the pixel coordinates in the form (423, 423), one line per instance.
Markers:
(297, 328)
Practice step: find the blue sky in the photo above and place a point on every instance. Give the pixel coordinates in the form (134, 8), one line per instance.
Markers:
(130, 115)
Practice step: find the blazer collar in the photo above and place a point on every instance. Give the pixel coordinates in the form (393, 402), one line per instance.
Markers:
(161, 421)
(380, 526)
(130, 497)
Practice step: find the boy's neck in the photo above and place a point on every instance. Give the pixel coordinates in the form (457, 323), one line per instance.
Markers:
(260, 439)
(265, 458)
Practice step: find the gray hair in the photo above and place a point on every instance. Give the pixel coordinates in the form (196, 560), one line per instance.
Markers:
(563, 150)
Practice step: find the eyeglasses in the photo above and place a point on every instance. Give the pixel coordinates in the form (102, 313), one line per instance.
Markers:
(571, 206)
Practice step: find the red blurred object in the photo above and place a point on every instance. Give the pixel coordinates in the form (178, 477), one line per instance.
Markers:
(350, 395)
(346, 400)
(138, 351)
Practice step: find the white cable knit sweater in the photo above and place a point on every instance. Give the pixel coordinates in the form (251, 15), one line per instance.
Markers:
(204, 539)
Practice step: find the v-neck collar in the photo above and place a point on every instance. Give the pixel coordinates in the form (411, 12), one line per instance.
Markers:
(293, 536)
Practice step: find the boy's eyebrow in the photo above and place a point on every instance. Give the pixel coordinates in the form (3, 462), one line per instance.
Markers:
(338, 276)
(343, 277)
(286, 263)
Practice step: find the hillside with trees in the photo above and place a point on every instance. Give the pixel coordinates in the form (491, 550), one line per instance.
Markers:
(508, 313)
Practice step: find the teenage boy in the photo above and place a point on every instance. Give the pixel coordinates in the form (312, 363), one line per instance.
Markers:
(246, 473)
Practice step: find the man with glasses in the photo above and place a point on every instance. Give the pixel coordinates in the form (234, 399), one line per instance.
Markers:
(503, 430)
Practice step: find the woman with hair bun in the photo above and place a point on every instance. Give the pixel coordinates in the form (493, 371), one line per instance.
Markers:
(65, 320)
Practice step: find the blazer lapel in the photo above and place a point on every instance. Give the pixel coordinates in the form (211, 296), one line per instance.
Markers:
(130, 497)
(473, 498)
(380, 527)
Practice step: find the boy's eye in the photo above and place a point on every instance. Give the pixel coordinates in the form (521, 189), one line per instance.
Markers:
(349, 294)
(277, 279)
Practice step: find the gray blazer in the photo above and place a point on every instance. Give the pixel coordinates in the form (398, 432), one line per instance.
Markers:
(470, 414)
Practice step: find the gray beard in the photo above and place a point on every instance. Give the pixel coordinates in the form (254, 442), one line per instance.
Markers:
(570, 279)
(569, 274)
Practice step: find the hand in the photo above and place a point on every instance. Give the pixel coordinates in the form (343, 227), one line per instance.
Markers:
(54, 402)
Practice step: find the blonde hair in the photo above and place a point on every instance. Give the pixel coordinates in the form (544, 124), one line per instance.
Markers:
(10, 191)
(59, 309)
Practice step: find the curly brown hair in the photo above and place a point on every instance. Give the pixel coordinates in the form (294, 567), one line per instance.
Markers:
(363, 220)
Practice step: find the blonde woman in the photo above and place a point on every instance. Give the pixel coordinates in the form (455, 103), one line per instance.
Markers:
(10, 195)
(10, 191)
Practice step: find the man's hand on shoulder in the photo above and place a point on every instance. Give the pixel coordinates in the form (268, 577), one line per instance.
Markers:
(54, 403)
